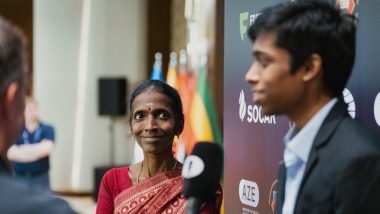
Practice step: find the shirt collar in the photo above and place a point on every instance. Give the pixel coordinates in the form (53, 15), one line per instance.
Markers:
(301, 141)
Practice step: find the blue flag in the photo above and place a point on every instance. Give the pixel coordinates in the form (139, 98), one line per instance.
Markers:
(156, 73)
(157, 68)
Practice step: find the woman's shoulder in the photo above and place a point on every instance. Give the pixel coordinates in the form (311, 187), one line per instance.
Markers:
(117, 176)
(114, 173)
(116, 180)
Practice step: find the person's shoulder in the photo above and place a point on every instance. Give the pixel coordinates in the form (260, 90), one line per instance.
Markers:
(358, 138)
(357, 130)
(17, 198)
(116, 179)
(44, 125)
(116, 172)
(47, 203)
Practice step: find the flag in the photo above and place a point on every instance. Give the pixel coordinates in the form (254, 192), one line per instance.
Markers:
(171, 78)
(156, 73)
(157, 68)
(186, 89)
(203, 117)
(171, 75)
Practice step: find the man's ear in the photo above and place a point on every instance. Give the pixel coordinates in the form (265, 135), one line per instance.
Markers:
(313, 67)
(9, 100)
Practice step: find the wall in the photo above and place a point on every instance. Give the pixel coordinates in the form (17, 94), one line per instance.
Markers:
(68, 62)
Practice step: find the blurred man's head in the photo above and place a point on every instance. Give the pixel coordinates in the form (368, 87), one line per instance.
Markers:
(31, 110)
(12, 87)
(297, 45)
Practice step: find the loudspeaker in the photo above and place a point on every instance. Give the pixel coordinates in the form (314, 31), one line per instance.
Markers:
(112, 96)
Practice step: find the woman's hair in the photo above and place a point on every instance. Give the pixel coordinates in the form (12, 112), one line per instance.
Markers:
(170, 92)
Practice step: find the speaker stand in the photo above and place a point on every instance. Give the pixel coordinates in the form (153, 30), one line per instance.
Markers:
(112, 140)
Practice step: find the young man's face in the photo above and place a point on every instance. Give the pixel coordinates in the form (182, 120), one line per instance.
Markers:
(274, 87)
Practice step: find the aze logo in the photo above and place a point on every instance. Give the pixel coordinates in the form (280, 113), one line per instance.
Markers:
(249, 193)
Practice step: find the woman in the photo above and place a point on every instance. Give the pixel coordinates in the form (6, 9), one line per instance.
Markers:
(153, 185)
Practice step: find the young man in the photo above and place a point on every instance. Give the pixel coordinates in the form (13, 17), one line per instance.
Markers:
(303, 56)
(30, 154)
(15, 197)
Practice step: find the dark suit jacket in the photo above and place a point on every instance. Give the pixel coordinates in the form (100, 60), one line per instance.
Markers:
(16, 198)
(342, 174)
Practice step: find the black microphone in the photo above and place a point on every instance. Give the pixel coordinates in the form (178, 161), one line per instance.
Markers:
(202, 171)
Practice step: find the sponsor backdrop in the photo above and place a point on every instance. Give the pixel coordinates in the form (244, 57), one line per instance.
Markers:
(253, 142)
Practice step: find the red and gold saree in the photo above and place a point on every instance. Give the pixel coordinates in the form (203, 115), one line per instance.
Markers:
(161, 193)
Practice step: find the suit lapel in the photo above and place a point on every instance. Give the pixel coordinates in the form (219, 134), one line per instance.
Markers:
(335, 116)
(329, 125)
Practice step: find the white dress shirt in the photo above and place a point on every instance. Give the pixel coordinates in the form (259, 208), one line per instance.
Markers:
(298, 144)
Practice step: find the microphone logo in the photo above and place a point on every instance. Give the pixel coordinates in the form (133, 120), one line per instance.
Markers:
(192, 167)
(243, 105)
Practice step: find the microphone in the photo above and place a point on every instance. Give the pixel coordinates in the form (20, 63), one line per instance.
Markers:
(202, 171)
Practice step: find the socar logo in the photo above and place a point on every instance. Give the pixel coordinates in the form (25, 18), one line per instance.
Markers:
(242, 106)
(253, 112)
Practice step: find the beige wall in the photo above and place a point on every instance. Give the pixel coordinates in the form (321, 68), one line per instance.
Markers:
(116, 47)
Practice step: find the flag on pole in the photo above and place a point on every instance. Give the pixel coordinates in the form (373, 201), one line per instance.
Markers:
(203, 117)
(171, 79)
(186, 87)
(157, 68)
(186, 90)
(171, 75)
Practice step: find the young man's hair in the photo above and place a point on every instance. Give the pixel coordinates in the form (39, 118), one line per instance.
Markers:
(306, 27)
(12, 55)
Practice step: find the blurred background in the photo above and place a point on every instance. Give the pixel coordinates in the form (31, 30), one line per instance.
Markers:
(76, 46)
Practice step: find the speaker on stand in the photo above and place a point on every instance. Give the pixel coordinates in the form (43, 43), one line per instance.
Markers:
(112, 102)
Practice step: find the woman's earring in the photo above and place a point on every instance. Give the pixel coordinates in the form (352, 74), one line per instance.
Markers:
(176, 139)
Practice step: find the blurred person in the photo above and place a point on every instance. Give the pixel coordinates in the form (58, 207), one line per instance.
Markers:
(14, 196)
(155, 184)
(30, 154)
(303, 56)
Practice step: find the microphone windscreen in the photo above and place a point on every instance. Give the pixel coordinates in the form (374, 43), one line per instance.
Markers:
(202, 171)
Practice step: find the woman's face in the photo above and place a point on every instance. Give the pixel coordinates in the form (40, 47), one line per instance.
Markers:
(153, 121)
